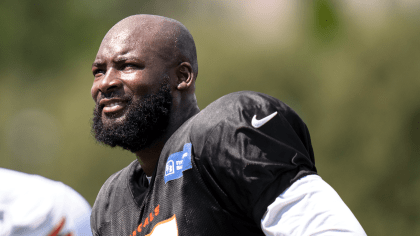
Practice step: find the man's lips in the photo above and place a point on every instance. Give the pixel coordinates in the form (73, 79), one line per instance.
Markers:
(112, 105)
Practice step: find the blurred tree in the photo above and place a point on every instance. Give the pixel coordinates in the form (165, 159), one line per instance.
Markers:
(326, 23)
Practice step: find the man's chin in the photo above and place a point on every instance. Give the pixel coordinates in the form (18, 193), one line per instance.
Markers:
(112, 121)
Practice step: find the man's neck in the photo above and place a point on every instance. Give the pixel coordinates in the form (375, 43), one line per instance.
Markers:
(148, 157)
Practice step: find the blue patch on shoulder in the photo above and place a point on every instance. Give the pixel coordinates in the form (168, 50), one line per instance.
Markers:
(177, 163)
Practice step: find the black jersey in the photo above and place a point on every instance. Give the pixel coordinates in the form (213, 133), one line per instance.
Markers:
(216, 174)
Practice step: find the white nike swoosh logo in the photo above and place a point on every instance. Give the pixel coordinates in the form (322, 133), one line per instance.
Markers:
(258, 123)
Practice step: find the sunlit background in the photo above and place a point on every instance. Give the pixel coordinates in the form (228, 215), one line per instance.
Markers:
(349, 68)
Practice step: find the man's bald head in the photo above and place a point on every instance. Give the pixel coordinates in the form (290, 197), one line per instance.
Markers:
(166, 37)
(144, 84)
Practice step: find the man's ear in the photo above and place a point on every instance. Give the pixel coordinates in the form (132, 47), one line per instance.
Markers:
(185, 75)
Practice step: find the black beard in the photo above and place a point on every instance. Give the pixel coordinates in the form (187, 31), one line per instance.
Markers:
(146, 121)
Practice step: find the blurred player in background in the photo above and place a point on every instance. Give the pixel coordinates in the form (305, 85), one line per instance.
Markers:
(32, 205)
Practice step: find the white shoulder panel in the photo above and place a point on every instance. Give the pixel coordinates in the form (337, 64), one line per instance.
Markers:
(310, 207)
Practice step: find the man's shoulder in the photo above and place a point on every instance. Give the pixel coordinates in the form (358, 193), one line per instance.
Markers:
(116, 182)
(241, 108)
(231, 104)
(113, 195)
(234, 107)
(225, 115)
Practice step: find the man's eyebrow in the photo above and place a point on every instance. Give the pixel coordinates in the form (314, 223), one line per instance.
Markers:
(123, 59)
(97, 64)
(116, 60)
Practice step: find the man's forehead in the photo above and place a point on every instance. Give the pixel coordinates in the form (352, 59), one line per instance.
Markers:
(117, 37)
(117, 42)
(140, 38)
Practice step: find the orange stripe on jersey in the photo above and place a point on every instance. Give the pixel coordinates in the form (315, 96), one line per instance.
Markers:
(58, 227)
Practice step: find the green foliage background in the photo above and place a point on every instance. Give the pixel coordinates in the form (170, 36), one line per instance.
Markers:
(353, 81)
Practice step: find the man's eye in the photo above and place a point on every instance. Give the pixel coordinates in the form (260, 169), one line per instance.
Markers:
(98, 72)
(129, 66)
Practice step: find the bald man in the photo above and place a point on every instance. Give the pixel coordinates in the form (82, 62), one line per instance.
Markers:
(242, 166)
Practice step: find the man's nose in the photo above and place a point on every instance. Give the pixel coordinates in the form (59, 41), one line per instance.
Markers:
(110, 82)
